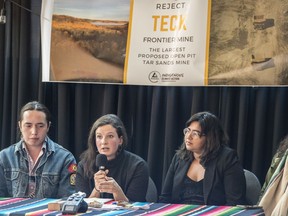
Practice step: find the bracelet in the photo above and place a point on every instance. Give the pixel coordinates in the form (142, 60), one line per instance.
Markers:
(97, 190)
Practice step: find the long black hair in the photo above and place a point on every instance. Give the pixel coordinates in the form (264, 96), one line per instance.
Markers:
(216, 137)
(35, 105)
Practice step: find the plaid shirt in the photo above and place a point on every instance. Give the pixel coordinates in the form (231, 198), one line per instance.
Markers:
(31, 189)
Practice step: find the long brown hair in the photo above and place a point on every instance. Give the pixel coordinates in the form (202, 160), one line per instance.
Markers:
(89, 156)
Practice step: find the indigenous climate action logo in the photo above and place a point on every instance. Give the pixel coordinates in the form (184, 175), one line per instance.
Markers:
(154, 76)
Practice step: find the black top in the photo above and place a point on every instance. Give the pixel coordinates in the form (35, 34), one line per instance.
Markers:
(192, 192)
(223, 184)
(129, 170)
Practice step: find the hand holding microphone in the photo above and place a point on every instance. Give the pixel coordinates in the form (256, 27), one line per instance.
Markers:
(106, 184)
(100, 176)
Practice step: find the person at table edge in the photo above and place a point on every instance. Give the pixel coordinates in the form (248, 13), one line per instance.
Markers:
(204, 171)
(36, 167)
(126, 175)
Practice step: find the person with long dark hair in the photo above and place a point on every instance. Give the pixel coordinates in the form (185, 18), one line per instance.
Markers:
(124, 177)
(204, 170)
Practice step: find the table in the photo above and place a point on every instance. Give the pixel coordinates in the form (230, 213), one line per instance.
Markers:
(31, 207)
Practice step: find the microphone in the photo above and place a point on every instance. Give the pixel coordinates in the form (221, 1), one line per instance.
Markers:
(101, 161)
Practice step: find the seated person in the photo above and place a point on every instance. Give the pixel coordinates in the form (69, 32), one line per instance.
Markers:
(125, 176)
(204, 171)
(36, 166)
(274, 194)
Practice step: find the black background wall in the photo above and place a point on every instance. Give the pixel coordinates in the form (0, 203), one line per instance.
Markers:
(254, 117)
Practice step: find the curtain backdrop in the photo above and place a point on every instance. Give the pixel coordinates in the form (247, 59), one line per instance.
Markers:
(254, 117)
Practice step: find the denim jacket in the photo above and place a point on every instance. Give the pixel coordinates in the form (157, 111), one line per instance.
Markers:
(55, 174)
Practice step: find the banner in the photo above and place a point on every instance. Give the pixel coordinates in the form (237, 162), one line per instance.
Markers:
(168, 42)
(165, 42)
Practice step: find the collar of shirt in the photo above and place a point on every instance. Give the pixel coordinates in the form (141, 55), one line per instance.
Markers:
(31, 162)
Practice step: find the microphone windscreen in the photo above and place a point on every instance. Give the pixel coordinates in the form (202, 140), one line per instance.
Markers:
(101, 161)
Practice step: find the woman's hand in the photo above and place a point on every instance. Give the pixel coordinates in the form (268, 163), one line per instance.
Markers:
(99, 177)
(109, 185)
